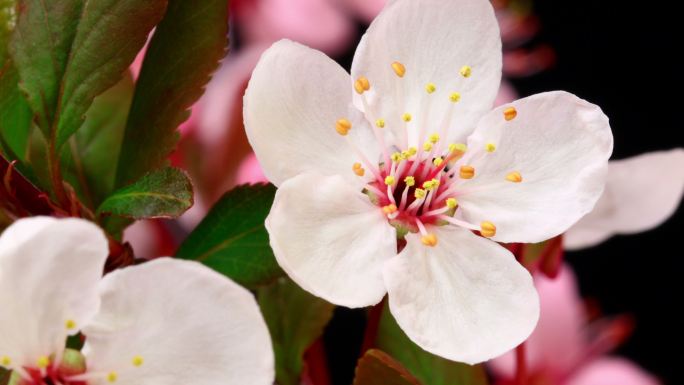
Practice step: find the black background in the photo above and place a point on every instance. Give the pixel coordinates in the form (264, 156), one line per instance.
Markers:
(621, 57)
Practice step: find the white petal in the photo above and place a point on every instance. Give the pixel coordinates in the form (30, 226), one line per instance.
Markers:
(188, 324)
(641, 193)
(49, 271)
(331, 239)
(433, 39)
(560, 145)
(466, 299)
(295, 97)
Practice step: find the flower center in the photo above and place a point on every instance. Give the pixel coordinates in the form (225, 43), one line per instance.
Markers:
(418, 187)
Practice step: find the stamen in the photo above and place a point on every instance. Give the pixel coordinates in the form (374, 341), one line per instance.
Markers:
(390, 208)
(389, 180)
(399, 69)
(467, 172)
(455, 97)
(112, 376)
(70, 324)
(514, 177)
(43, 362)
(451, 203)
(438, 211)
(490, 147)
(343, 126)
(487, 229)
(458, 147)
(429, 240)
(364, 159)
(427, 146)
(5, 361)
(433, 138)
(358, 170)
(510, 113)
(410, 181)
(138, 361)
(430, 88)
(419, 193)
(406, 117)
(458, 222)
(466, 71)
(438, 161)
(361, 85)
(380, 123)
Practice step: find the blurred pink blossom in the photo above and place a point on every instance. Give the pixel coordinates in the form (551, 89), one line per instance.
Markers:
(565, 349)
(321, 24)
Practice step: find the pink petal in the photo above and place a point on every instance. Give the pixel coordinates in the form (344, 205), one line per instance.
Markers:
(612, 371)
(558, 341)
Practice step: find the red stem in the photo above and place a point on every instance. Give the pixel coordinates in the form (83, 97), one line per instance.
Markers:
(520, 365)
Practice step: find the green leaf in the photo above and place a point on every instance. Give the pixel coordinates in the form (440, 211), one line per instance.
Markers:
(378, 368)
(232, 238)
(164, 193)
(8, 19)
(69, 51)
(295, 320)
(428, 368)
(15, 114)
(185, 49)
(89, 160)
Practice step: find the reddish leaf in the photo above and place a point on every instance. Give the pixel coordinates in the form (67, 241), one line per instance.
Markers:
(378, 368)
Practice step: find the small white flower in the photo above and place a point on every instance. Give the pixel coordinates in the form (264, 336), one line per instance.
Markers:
(166, 322)
(406, 148)
(641, 193)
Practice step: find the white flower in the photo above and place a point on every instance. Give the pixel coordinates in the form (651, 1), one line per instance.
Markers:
(165, 322)
(641, 193)
(423, 79)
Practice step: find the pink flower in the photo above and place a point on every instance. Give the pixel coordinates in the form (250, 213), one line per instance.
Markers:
(564, 350)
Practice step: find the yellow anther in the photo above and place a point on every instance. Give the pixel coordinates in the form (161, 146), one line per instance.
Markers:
(419, 193)
(430, 184)
(466, 71)
(112, 376)
(454, 97)
(487, 229)
(430, 88)
(405, 154)
(451, 203)
(361, 85)
(70, 324)
(410, 181)
(380, 123)
(434, 138)
(429, 240)
(138, 361)
(510, 113)
(343, 126)
(396, 157)
(490, 147)
(460, 147)
(5, 361)
(389, 209)
(436, 182)
(399, 69)
(427, 146)
(389, 180)
(437, 161)
(43, 362)
(467, 172)
(406, 117)
(358, 169)
(412, 151)
(514, 177)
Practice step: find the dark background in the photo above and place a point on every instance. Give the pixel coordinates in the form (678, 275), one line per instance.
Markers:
(621, 57)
